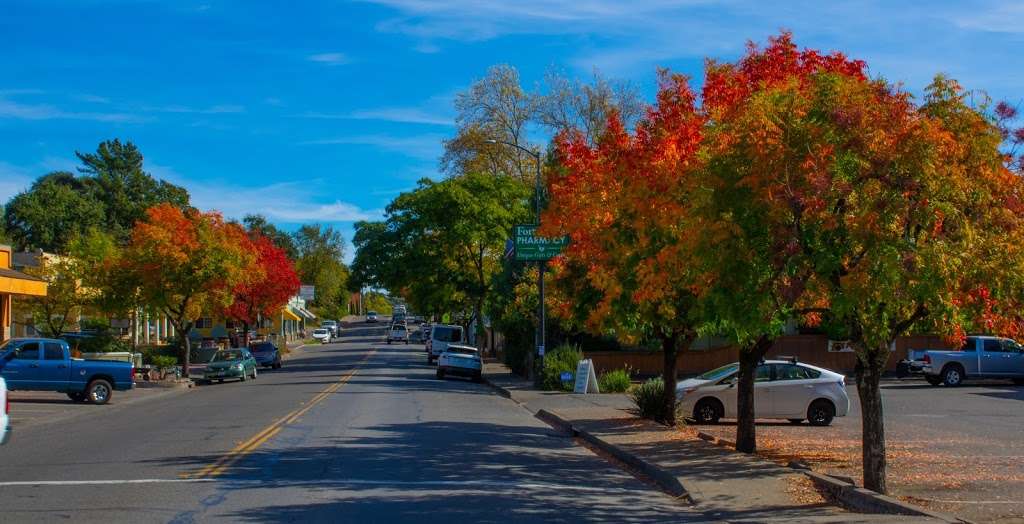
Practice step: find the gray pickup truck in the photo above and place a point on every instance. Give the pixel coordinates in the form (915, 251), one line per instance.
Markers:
(979, 357)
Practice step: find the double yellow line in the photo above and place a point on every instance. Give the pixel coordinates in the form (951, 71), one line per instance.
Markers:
(238, 452)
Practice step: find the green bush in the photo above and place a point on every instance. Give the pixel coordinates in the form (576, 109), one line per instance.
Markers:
(163, 362)
(559, 360)
(649, 400)
(616, 381)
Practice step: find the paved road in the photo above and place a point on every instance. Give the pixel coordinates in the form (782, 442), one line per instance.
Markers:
(355, 431)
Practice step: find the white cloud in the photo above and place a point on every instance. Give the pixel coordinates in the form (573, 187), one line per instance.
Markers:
(289, 202)
(329, 58)
(419, 146)
(19, 111)
(92, 99)
(405, 115)
(212, 110)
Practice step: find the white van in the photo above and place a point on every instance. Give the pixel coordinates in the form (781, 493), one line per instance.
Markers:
(440, 337)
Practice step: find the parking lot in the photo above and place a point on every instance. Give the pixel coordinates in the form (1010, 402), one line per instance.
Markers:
(958, 450)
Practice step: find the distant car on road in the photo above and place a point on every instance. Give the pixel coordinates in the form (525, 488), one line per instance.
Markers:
(330, 325)
(371, 317)
(45, 364)
(440, 337)
(266, 354)
(979, 357)
(784, 389)
(322, 334)
(398, 332)
(5, 421)
(460, 360)
(231, 363)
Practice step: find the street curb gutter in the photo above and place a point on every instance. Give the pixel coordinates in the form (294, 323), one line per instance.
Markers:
(849, 495)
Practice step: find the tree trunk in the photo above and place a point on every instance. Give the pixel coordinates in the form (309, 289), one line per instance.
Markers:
(245, 336)
(186, 349)
(669, 349)
(750, 357)
(870, 365)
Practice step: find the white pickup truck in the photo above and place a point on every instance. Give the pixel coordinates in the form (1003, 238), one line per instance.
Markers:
(980, 357)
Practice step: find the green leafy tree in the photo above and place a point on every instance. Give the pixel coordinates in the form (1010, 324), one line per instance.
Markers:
(54, 210)
(59, 310)
(321, 250)
(257, 225)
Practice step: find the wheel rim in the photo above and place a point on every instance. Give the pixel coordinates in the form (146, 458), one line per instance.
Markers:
(100, 393)
(953, 376)
(707, 413)
(819, 414)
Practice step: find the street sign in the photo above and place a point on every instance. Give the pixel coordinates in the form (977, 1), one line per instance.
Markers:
(307, 292)
(529, 246)
(566, 376)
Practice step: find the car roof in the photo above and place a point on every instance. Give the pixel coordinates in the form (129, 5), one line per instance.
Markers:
(462, 346)
(36, 339)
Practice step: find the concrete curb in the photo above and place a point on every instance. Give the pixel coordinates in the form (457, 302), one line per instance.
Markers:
(665, 480)
(848, 494)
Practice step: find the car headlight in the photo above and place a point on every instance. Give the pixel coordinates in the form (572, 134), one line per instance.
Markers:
(236, 366)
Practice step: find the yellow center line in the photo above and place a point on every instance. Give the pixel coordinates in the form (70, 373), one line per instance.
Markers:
(227, 460)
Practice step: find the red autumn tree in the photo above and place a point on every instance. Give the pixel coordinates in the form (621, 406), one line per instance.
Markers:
(272, 282)
(624, 203)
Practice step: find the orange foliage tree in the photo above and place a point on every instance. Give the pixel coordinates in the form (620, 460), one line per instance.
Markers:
(186, 263)
(623, 202)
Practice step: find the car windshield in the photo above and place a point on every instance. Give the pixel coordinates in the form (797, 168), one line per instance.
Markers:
(226, 356)
(262, 348)
(398, 327)
(203, 355)
(447, 334)
(372, 313)
(719, 373)
(461, 350)
(319, 331)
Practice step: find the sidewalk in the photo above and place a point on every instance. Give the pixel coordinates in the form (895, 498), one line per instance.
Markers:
(722, 484)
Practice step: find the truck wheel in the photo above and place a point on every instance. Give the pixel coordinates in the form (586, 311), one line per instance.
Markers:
(1018, 381)
(953, 376)
(76, 396)
(935, 381)
(440, 374)
(478, 377)
(821, 413)
(99, 392)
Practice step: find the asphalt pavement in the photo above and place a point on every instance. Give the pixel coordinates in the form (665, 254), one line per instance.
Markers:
(354, 431)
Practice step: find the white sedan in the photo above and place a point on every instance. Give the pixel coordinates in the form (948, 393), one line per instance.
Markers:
(322, 334)
(783, 389)
(398, 333)
(5, 421)
(460, 360)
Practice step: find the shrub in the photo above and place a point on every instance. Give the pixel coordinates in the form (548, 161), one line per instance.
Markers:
(561, 359)
(163, 362)
(649, 400)
(616, 381)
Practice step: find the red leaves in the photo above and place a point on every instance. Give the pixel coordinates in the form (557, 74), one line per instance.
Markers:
(1005, 111)
(274, 281)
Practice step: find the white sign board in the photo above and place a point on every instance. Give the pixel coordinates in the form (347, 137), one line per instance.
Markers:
(307, 292)
(586, 378)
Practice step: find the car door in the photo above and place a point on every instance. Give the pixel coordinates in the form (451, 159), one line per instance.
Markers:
(1015, 359)
(793, 390)
(54, 372)
(22, 368)
(726, 392)
(992, 362)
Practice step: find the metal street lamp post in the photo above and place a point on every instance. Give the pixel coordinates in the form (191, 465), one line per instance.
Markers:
(541, 265)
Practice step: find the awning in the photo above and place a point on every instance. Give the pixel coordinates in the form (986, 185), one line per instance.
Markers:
(305, 313)
(18, 283)
(288, 315)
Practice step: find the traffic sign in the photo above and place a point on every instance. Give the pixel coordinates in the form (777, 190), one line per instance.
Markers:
(529, 246)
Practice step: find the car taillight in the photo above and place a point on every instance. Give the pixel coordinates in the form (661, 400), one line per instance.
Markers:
(927, 359)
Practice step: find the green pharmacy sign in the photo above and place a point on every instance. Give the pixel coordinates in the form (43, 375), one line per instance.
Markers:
(529, 246)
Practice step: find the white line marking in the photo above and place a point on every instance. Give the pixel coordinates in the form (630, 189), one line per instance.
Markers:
(98, 482)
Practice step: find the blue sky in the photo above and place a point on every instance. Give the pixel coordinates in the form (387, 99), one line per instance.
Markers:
(322, 111)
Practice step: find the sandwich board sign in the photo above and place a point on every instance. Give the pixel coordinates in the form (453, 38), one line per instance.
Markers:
(586, 378)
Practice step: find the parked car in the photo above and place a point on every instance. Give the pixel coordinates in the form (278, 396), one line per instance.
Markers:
(440, 337)
(330, 325)
(460, 360)
(266, 354)
(783, 389)
(231, 363)
(5, 421)
(979, 357)
(322, 334)
(199, 358)
(45, 364)
(371, 317)
(398, 332)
